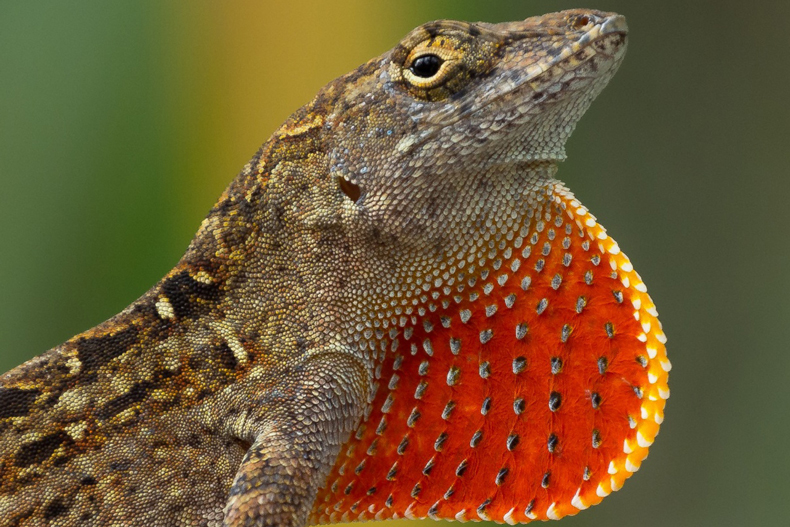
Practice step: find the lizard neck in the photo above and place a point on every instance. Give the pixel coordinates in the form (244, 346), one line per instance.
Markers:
(377, 266)
(332, 267)
(430, 249)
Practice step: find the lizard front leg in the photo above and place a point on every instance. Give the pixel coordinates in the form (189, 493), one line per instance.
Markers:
(294, 448)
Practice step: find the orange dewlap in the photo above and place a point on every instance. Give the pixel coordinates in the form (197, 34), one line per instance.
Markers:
(533, 395)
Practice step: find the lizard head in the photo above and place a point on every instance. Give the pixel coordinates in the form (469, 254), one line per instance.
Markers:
(448, 115)
(502, 93)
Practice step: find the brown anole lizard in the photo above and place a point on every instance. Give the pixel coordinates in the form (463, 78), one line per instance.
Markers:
(395, 310)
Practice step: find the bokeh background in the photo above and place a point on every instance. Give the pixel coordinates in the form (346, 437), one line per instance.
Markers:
(121, 123)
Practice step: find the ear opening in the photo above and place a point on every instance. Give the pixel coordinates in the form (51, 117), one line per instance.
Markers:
(349, 189)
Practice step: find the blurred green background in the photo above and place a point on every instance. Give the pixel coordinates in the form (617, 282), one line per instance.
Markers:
(121, 123)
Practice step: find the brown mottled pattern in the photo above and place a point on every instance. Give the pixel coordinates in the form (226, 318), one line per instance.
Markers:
(225, 393)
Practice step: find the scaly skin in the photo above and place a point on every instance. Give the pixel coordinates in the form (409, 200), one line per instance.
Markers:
(394, 310)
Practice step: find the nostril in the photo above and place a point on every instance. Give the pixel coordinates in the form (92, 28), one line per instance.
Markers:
(349, 189)
(581, 21)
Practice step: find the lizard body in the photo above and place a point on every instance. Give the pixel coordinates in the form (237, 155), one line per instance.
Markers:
(394, 310)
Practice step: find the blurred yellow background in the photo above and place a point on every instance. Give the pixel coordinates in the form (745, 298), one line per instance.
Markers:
(121, 123)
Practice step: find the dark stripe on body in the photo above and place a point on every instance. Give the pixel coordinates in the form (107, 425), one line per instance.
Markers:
(15, 402)
(41, 450)
(97, 351)
(136, 394)
(183, 292)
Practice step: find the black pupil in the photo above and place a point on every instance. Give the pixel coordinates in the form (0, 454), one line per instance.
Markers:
(426, 66)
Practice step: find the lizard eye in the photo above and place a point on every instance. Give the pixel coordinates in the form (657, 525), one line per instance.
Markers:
(440, 61)
(431, 69)
(426, 66)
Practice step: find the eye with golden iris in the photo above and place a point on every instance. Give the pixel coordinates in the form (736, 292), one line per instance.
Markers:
(433, 69)
(426, 66)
